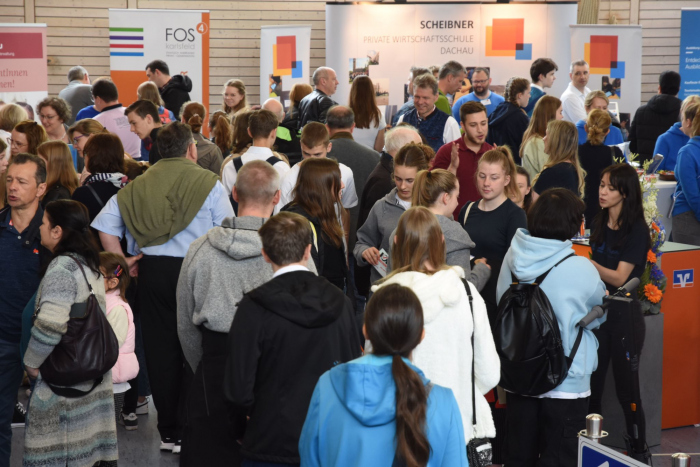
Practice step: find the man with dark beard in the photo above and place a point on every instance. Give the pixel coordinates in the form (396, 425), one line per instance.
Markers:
(481, 80)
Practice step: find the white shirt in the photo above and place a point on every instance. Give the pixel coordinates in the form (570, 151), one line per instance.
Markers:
(348, 197)
(451, 132)
(290, 268)
(537, 86)
(254, 153)
(573, 104)
(405, 204)
(368, 136)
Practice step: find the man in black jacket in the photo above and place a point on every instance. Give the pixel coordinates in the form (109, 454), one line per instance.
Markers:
(654, 118)
(284, 336)
(174, 90)
(313, 108)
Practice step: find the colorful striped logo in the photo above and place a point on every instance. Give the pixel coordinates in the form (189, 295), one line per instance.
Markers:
(126, 42)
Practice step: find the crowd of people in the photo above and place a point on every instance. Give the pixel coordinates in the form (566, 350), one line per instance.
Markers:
(315, 285)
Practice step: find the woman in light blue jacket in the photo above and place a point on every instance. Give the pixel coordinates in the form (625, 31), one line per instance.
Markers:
(542, 429)
(359, 415)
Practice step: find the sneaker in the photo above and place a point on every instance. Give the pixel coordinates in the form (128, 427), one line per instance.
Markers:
(178, 447)
(167, 444)
(142, 407)
(130, 422)
(19, 417)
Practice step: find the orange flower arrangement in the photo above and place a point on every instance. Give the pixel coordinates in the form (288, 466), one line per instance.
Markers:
(652, 293)
(655, 227)
(651, 257)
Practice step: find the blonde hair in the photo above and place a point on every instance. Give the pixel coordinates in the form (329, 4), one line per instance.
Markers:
(59, 165)
(419, 239)
(87, 127)
(545, 111)
(238, 84)
(592, 95)
(429, 185)
(148, 91)
(562, 137)
(694, 99)
(11, 115)
(597, 126)
(502, 155)
(693, 112)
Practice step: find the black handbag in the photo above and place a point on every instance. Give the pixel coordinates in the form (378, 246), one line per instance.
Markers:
(479, 450)
(87, 350)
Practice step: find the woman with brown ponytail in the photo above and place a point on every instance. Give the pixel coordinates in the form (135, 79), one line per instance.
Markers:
(384, 400)
(221, 132)
(208, 154)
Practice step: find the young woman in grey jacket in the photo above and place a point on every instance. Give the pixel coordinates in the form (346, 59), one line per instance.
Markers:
(375, 233)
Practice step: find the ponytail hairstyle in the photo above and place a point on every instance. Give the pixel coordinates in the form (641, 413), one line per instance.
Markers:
(430, 185)
(34, 132)
(221, 130)
(317, 192)
(515, 86)
(623, 177)
(562, 139)
(597, 126)
(419, 239)
(545, 111)
(59, 165)
(114, 266)
(502, 155)
(241, 138)
(414, 155)
(692, 111)
(194, 114)
(77, 239)
(238, 84)
(394, 325)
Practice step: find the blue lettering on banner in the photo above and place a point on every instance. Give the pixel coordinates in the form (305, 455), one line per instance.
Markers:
(683, 278)
(689, 55)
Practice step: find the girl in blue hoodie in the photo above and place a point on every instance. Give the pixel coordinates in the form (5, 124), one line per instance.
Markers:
(542, 430)
(676, 137)
(686, 211)
(380, 409)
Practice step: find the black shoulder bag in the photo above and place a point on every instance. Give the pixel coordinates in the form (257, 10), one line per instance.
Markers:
(479, 450)
(87, 350)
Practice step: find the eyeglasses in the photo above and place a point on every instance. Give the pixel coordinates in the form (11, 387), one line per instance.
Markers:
(14, 142)
(77, 138)
(483, 81)
(47, 117)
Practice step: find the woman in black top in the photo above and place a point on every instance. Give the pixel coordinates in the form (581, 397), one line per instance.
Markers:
(594, 157)
(508, 121)
(104, 156)
(620, 241)
(61, 179)
(562, 170)
(316, 197)
(492, 221)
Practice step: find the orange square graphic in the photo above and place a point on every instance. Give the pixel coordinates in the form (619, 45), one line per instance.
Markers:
(507, 33)
(489, 46)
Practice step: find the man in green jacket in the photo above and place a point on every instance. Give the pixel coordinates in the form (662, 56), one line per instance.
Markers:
(450, 79)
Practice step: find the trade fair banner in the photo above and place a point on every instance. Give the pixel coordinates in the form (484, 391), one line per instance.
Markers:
(24, 70)
(385, 40)
(690, 53)
(285, 52)
(614, 55)
(178, 37)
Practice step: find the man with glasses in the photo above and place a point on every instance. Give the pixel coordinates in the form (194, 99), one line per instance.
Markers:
(481, 80)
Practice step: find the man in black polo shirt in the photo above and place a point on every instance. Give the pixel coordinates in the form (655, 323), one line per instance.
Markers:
(21, 254)
(145, 122)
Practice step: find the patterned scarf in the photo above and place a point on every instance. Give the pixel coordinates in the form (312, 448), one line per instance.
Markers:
(117, 179)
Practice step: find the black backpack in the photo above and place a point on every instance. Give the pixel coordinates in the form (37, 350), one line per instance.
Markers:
(238, 163)
(528, 340)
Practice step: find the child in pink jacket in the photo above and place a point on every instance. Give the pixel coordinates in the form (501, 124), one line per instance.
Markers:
(120, 316)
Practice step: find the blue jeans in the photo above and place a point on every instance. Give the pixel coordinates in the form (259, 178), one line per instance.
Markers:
(10, 379)
(251, 463)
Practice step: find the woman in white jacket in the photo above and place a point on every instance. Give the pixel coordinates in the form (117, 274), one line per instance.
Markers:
(445, 355)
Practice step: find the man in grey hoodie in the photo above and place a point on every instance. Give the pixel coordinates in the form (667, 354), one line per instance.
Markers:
(220, 267)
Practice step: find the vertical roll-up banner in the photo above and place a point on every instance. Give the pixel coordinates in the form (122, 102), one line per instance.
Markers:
(178, 37)
(23, 67)
(689, 64)
(614, 55)
(285, 52)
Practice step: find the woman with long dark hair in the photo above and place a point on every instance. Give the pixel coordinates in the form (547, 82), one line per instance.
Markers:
(620, 241)
(386, 399)
(316, 195)
(50, 436)
(369, 124)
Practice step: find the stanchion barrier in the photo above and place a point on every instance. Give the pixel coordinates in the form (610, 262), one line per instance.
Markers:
(680, 459)
(594, 428)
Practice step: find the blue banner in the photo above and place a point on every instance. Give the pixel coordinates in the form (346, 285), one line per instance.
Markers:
(689, 65)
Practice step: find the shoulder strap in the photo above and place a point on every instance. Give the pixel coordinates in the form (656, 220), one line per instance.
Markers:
(471, 309)
(272, 160)
(313, 230)
(466, 214)
(238, 163)
(94, 193)
(574, 349)
(83, 271)
(541, 279)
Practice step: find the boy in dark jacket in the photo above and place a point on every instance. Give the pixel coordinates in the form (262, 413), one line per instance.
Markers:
(285, 335)
(175, 90)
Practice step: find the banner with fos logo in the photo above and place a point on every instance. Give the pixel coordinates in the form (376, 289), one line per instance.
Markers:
(683, 278)
(178, 37)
